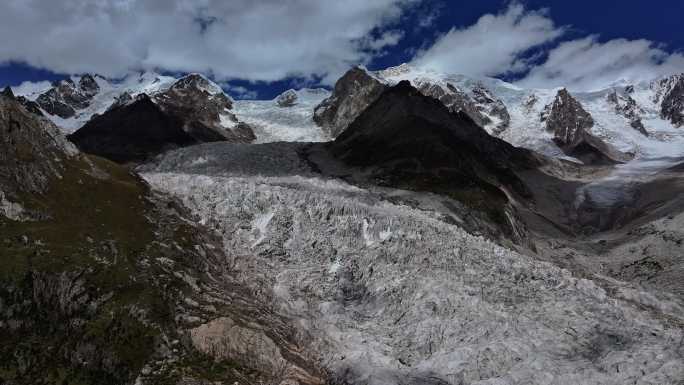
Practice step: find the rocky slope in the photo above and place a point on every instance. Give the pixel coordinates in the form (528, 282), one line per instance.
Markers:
(353, 92)
(192, 110)
(103, 281)
(570, 124)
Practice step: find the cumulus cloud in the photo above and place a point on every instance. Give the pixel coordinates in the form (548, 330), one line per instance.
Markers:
(239, 92)
(258, 40)
(495, 45)
(587, 64)
(513, 42)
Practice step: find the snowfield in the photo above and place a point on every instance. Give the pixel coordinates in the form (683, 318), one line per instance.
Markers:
(390, 294)
(272, 123)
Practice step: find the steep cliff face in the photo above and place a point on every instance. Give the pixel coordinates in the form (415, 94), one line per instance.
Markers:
(570, 124)
(672, 101)
(104, 282)
(353, 92)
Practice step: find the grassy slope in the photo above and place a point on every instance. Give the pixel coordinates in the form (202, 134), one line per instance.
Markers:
(102, 233)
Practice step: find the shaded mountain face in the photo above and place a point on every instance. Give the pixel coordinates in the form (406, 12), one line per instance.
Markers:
(570, 124)
(358, 88)
(67, 96)
(191, 111)
(353, 92)
(408, 132)
(132, 132)
(411, 141)
(104, 282)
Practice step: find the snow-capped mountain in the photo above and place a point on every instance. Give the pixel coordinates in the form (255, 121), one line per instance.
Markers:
(72, 102)
(191, 110)
(641, 119)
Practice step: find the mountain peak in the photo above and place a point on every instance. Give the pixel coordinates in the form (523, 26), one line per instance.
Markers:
(198, 82)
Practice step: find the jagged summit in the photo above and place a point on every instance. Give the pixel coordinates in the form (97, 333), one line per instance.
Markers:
(570, 124)
(196, 81)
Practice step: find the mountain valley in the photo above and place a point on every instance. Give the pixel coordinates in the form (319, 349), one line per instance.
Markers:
(405, 227)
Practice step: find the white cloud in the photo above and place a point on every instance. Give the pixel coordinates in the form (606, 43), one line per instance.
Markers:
(492, 46)
(258, 40)
(587, 64)
(239, 92)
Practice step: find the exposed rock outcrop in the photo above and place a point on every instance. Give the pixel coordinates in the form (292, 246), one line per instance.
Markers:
(32, 151)
(66, 96)
(353, 92)
(570, 124)
(287, 99)
(626, 106)
(672, 100)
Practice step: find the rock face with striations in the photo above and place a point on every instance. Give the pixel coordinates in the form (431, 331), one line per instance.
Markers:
(66, 96)
(191, 111)
(626, 106)
(672, 105)
(570, 124)
(353, 92)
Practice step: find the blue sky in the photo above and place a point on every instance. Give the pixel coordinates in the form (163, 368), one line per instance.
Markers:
(263, 49)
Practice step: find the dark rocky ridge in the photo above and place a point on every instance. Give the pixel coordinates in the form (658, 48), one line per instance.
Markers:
(475, 107)
(357, 89)
(672, 106)
(411, 141)
(132, 130)
(570, 124)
